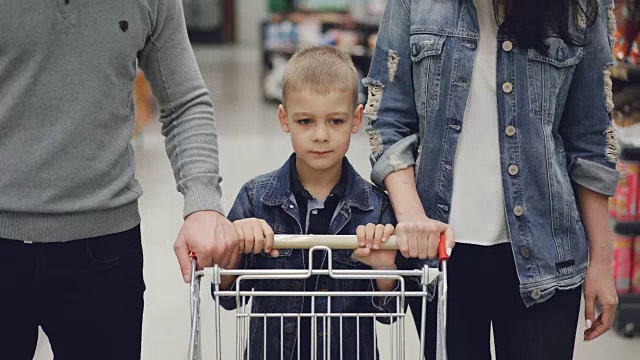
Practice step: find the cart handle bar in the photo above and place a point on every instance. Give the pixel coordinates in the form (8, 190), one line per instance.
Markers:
(340, 242)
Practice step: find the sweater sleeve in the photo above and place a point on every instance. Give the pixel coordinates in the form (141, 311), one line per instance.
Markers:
(186, 110)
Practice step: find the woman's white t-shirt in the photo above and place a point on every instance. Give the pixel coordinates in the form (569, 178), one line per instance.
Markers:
(477, 206)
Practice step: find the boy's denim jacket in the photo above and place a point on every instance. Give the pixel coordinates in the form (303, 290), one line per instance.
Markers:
(269, 197)
(554, 116)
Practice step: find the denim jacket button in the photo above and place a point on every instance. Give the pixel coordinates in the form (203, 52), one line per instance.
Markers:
(518, 211)
(507, 46)
(510, 130)
(507, 87)
(526, 252)
(513, 170)
(535, 294)
(291, 206)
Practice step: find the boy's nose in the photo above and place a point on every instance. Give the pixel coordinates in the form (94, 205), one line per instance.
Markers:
(321, 134)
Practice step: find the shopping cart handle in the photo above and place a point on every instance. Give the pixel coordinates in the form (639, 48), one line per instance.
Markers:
(443, 254)
(341, 242)
(336, 242)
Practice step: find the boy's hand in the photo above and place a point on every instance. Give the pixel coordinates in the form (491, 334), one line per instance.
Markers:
(255, 236)
(369, 238)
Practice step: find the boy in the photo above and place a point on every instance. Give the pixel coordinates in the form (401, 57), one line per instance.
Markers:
(315, 192)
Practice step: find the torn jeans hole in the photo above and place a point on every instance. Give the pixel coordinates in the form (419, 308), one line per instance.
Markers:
(392, 63)
(375, 141)
(376, 90)
(608, 89)
(611, 24)
(396, 163)
(612, 145)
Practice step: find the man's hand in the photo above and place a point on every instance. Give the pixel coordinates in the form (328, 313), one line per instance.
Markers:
(599, 288)
(211, 237)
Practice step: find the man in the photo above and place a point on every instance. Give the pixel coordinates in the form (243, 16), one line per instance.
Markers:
(70, 250)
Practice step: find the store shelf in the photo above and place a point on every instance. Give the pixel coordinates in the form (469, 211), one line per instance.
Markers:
(629, 153)
(286, 52)
(626, 73)
(630, 228)
(283, 34)
(627, 322)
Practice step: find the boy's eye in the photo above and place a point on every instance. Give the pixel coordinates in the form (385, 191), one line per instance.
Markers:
(337, 121)
(304, 122)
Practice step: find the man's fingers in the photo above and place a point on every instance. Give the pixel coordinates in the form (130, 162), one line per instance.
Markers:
(203, 262)
(232, 260)
(184, 260)
(226, 259)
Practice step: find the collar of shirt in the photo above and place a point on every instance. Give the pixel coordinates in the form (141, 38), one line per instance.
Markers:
(337, 193)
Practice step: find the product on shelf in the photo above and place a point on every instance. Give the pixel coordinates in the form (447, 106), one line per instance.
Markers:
(635, 272)
(626, 197)
(353, 33)
(627, 102)
(622, 263)
(143, 102)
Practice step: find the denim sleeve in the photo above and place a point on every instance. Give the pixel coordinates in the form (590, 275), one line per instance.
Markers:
(243, 205)
(242, 208)
(586, 129)
(393, 121)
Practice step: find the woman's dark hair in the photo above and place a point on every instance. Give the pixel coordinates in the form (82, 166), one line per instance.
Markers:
(531, 21)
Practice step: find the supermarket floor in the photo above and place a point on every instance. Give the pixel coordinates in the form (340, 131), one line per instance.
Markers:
(251, 143)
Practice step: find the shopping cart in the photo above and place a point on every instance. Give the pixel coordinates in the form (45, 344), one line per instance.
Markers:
(425, 277)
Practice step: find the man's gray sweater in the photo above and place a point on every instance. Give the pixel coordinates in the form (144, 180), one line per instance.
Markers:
(66, 114)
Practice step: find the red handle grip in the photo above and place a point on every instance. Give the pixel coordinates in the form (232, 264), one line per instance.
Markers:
(442, 249)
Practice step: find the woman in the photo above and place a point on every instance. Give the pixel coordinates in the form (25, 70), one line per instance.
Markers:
(493, 118)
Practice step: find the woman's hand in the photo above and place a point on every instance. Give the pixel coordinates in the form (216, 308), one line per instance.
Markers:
(599, 289)
(418, 236)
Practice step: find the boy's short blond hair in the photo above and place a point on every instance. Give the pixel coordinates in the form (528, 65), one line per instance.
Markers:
(322, 70)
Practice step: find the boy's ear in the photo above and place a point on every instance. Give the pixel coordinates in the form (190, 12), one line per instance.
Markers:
(282, 116)
(357, 119)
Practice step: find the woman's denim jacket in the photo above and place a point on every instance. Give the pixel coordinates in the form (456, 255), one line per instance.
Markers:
(269, 197)
(554, 120)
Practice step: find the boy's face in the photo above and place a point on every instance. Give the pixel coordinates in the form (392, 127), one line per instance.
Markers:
(320, 126)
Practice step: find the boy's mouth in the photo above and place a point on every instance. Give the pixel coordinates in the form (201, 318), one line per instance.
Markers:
(320, 153)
